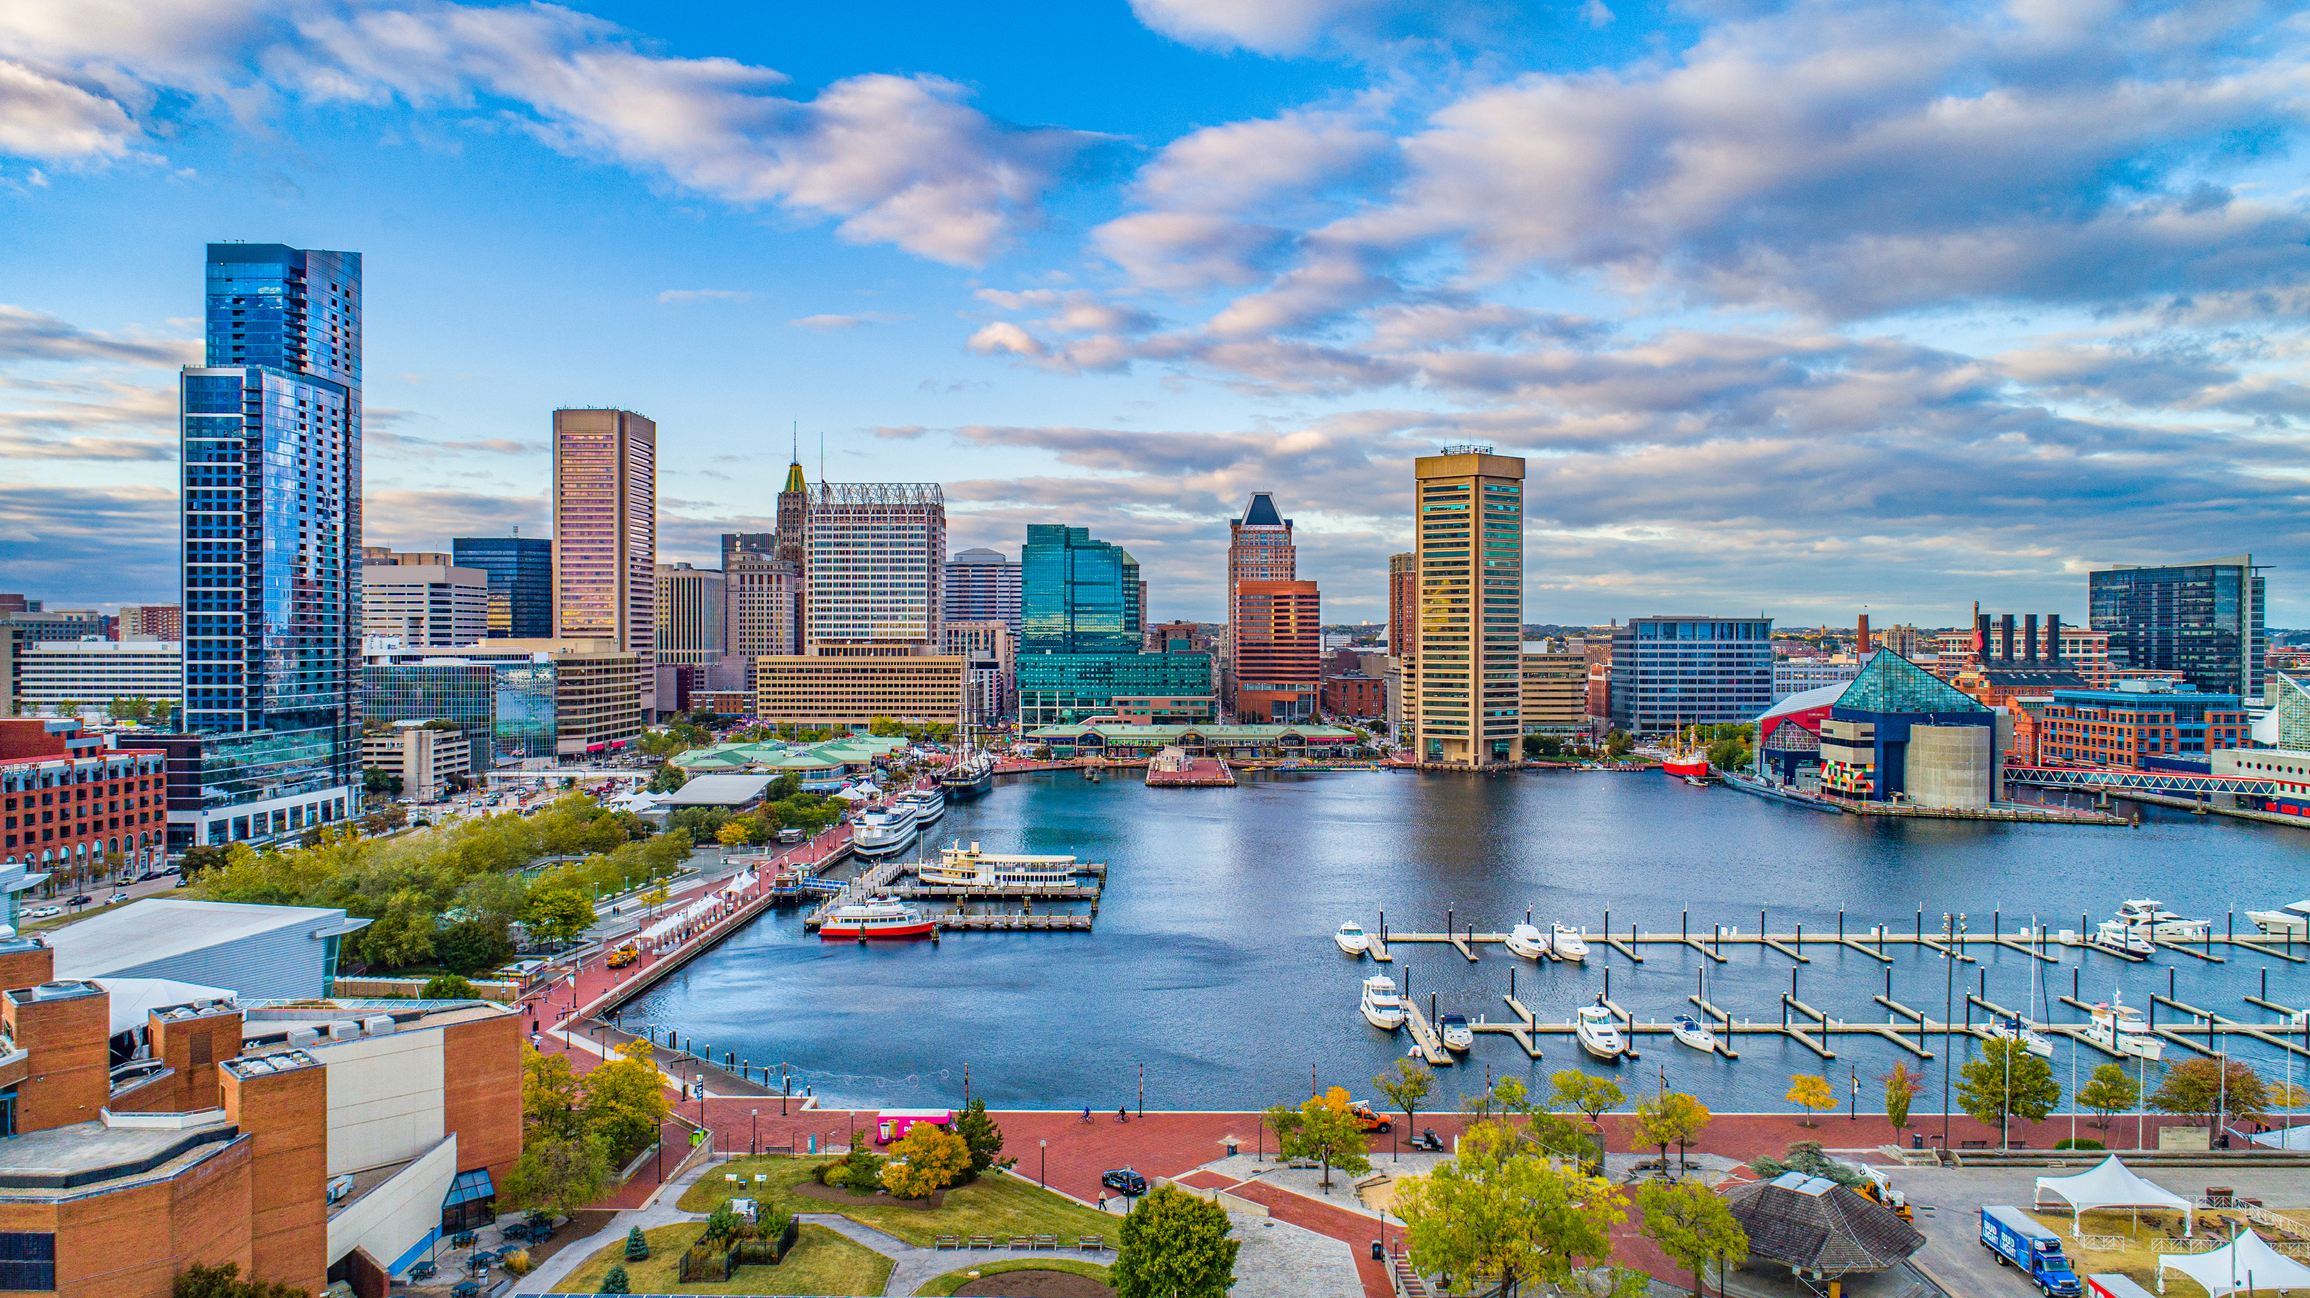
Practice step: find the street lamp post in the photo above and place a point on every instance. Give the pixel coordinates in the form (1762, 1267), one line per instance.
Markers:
(1043, 1177)
(1952, 927)
(754, 1137)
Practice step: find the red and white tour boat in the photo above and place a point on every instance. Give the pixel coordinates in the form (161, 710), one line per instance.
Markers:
(880, 918)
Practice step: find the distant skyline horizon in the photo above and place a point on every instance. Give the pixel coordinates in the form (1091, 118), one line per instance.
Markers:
(1790, 307)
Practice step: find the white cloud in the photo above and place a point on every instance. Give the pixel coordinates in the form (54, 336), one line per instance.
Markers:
(1267, 26)
(46, 118)
(681, 295)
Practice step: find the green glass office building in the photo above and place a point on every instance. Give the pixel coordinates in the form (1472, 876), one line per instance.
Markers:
(1080, 650)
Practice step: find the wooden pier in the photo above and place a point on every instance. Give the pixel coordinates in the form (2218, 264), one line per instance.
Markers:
(1431, 1046)
(1013, 923)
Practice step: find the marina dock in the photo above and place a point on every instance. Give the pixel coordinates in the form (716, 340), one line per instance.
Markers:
(903, 880)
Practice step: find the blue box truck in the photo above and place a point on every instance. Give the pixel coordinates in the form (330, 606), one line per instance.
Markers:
(2019, 1242)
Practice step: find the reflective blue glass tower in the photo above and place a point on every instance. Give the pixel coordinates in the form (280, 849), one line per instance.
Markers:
(271, 430)
(520, 572)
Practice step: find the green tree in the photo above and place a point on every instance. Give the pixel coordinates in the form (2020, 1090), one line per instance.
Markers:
(2007, 1081)
(884, 727)
(1175, 1245)
(163, 712)
(1322, 1128)
(447, 987)
(2205, 1088)
(926, 1159)
(1900, 1088)
(201, 858)
(626, 1100)
(1619, 744)
(2110, 1091)
(1406, 1089)
(1576, 1090)
(1501, 1210)
(378, 780)
(557, 1177)
(1672, 1118)
(558, 914)
(668, 778)
(637, 1245)
(1811, 1091)
(199, 1281)
(614, 1281)
(472, 945)
(1693, 1227)
(737, 831)
(550, 1097)
(984, 1138)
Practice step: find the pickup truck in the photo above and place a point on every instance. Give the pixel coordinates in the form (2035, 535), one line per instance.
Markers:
(2030, 1249)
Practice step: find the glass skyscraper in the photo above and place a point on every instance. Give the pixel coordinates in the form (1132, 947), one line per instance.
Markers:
(520, 572)
(271, 524)
(1077, 595)
(2203, 620)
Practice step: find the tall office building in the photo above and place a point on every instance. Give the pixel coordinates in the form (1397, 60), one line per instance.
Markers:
(425, 604)
(763, 613)
(1464, 681)
(149, 621)
(2201, 619)
(605, 532)
(1078, 595)
(1259, 548)
(1403, 603)
(983, 586)
(520, 572)
(1278, 632)
(734, 544)
(1680, 671)
(872, 568)
(793, 534)
(691, 606)
(271, 543)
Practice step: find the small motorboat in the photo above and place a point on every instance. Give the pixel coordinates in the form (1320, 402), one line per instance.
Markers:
(2291, 922)
(2121, 1029)
(1453, 1028)
(1352, 938)
(1382, 1007)
(2118, 935)
(1567, 943)
(2164, 925)
(2021, 1030)
(1599, 1033)
(1688, 1031)
(1526, 941)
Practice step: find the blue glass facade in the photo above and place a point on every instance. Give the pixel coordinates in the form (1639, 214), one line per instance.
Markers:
(1058, 689)
(271, 526)
(504, 707)
(1680, 671)
(520, 572)
(2203, 620)
(1078, 596)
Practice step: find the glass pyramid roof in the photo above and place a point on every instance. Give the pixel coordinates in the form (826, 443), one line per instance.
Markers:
(1891, 683)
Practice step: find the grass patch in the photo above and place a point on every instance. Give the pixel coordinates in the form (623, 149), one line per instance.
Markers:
(997, 1204)
(939, 1286)
(2135, 1261)
(821, 1262)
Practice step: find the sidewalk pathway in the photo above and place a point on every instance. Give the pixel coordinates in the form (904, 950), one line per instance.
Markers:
(910, 1266)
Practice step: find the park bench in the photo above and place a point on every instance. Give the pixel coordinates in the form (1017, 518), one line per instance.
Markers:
(1022, 1241)
(982, 1241)
(947, 1241)
(1090, 1244)
(1047, 1241)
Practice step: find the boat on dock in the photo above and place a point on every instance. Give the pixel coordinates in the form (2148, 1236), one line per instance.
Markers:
(1382, 1007)
(2016, 1028)
(884, 830)
(2291, 921)
(2164, 925)
(2120, 1029)
(928, 804)
(959, 866)
(1453, 1028)
(2124, 938)
(1599, 1032)
(1689, 1031)
(882, 917)
(1567, 943)
(1352, 938)
(1527, 941)
(972, 776)
(1686, 756)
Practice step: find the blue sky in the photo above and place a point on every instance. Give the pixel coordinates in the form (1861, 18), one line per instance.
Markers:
(1796, 308)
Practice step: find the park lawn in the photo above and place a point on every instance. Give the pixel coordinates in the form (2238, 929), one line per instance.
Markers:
(2135, 1261)
(821, 1262)
(997, 1204)
(939, 1286)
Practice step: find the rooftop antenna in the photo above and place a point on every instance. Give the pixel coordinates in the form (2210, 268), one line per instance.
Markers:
(797, 442)
(822, 455)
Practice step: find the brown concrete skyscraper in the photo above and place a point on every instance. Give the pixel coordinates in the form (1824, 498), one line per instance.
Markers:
(1278, 631)
(1403, 603)
(1464, 703)
(605, 532)
(1259, 548)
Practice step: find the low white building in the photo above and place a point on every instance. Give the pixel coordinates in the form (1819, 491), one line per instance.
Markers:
(1796, 675)
(423, 754)
(425, 604)
(92, 673)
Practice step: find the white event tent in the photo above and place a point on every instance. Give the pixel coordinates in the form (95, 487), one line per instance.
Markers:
(2245, 1264)
(2110, 1185)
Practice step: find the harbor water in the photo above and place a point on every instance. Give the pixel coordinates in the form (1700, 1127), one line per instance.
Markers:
(1212, 974)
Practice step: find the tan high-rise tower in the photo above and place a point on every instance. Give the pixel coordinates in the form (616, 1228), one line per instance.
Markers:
(1259, 548)
(1463, 682)
(605, 532)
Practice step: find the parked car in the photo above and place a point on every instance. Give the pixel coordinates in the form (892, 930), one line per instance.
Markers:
(44, 912)
(1125, 1181)
(81, 900)
(116, 898)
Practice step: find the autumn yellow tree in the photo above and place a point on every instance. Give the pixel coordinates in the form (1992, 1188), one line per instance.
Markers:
(1811, 1091)
(925, 1160)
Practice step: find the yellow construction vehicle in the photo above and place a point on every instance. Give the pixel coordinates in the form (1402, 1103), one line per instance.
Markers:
(625, 955)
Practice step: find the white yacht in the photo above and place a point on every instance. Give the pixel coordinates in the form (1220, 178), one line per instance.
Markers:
(883, 830)
(1453, 1028)
(929, 804)
(2022, 1030)
(2119, 1027)
(1599, 1033)
(1688, 1031)
(2164, 925)
(2117, 935)
(1567, 943)
(2291, 922)
(1352, 938)
(959, 866)
(1383, 1008)
(1527, 941)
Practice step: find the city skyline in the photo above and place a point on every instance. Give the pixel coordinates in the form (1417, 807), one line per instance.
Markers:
(2019, 302)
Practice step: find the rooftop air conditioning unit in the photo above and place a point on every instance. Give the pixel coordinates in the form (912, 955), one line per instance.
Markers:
(302, 1037)
(344, 1029)
(378, 1025)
